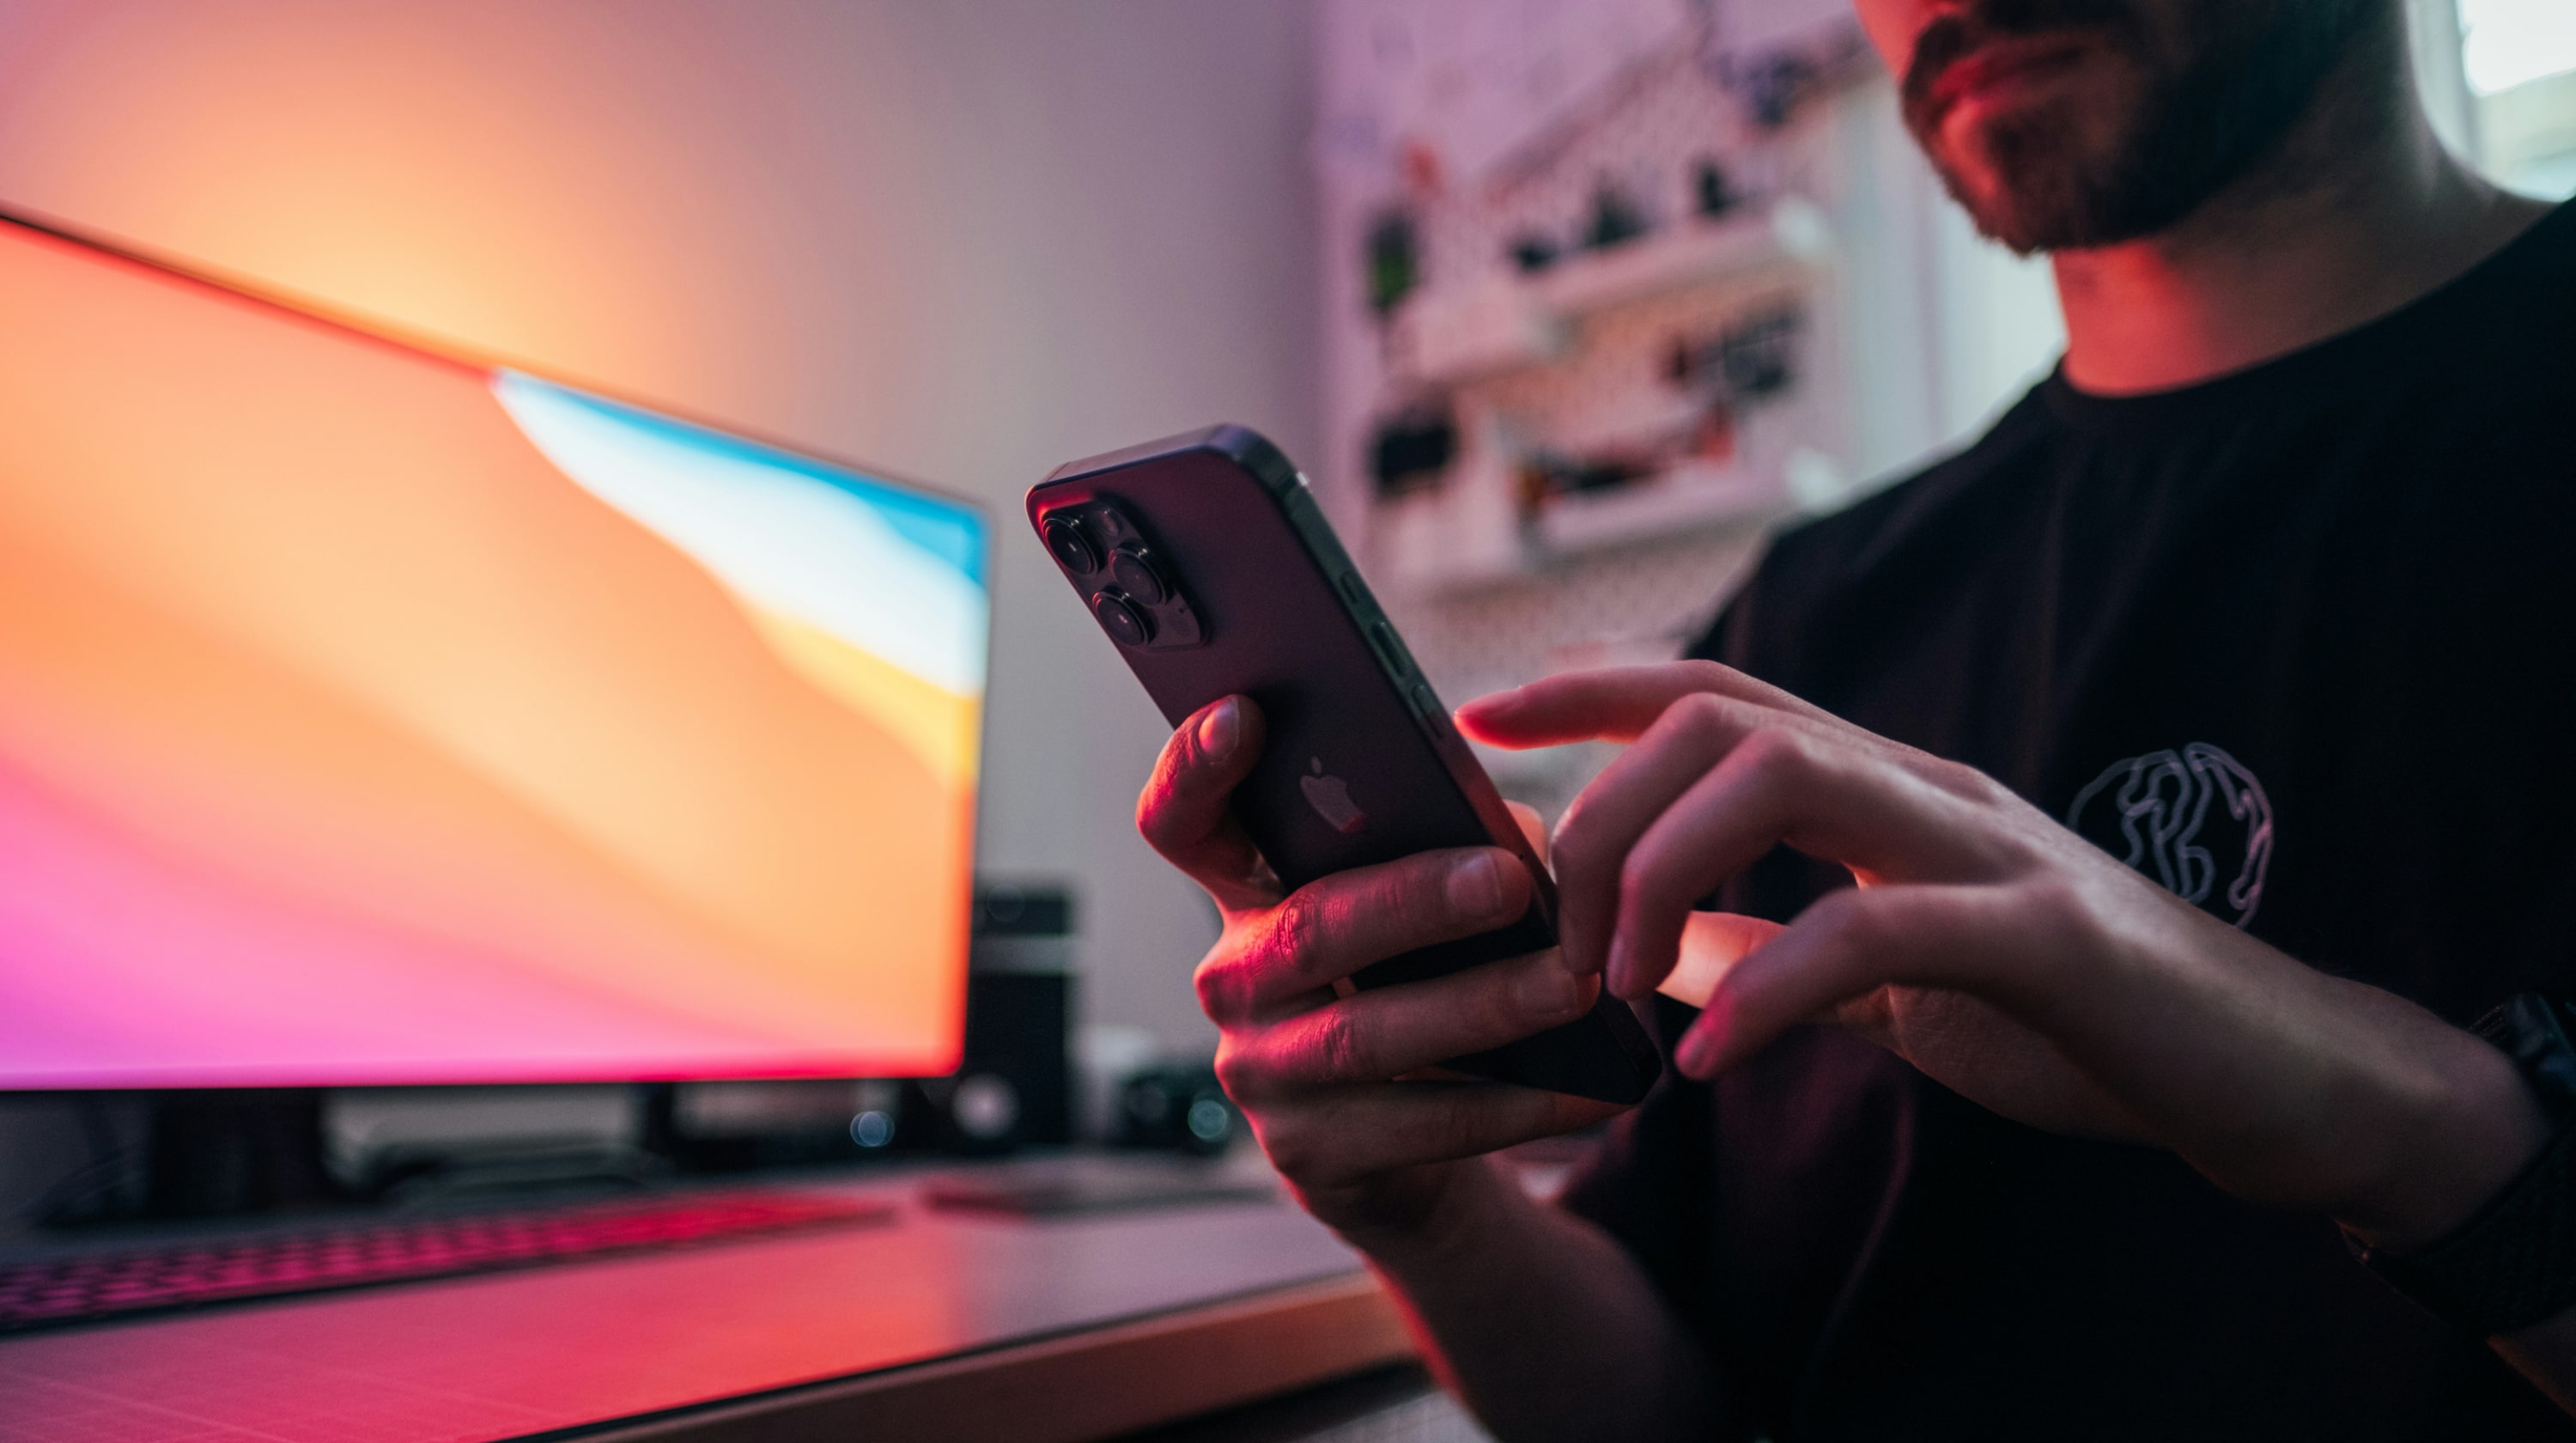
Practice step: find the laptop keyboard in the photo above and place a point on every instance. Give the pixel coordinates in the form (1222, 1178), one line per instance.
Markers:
(87, 1286)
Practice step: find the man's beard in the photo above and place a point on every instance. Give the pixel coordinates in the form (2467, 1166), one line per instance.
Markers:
(2202, 121)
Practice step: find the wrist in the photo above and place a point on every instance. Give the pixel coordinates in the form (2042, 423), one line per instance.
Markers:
(1449, 1210)
(2472, 1134)
(2511, 1263)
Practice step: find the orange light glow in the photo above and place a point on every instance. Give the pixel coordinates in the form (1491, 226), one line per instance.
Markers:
(357, 724)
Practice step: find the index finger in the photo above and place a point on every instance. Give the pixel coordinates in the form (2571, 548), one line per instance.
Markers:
(1614, 703)
(1183, 811)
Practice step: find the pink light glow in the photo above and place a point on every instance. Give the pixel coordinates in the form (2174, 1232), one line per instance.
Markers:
(344, 738)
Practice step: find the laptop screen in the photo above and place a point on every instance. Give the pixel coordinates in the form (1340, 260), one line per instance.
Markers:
(368, 717)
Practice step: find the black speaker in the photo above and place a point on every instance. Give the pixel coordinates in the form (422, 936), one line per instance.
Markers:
(1015, 1087)
(1178, 1107)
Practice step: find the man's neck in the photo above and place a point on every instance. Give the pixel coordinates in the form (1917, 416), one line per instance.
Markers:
(2357, 212)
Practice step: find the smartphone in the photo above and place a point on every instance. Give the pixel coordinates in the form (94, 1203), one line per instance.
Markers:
(1206, 560)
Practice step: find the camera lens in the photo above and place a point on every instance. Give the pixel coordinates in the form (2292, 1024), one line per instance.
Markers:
(1120, 619)
(1073, 550)
(1137, 576)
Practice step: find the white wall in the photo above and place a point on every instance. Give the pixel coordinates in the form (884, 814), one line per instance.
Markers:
(961, 239)
(1944, 328)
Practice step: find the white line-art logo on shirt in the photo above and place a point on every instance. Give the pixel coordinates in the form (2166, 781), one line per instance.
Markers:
(2153, 812)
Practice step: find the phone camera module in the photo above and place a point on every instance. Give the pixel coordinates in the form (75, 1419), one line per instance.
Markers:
(1073, 550)
(1121, 619)
(1137, 576)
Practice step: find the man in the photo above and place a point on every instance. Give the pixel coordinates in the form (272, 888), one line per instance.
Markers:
(2193, 740)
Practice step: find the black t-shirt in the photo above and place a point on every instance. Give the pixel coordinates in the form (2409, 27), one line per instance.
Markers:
(2300, 643)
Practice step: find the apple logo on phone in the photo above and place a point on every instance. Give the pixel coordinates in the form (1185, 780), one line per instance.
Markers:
(1331, 799)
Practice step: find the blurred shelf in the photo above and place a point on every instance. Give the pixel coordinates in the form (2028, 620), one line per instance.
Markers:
(1689, 497)
(1506, 322)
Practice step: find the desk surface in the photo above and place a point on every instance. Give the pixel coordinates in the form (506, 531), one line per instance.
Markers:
(958, 1308)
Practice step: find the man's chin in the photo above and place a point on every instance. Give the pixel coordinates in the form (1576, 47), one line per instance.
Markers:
(2031, 185)
(2028, 219)
(1999, 212)
(2034, 169)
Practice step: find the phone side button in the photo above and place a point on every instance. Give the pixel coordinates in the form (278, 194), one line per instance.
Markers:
(1427, 706)
(1389, 649)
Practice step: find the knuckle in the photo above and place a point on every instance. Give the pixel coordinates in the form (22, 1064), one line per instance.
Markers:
(1704, 674)
(1165, 825)
(2057, 912)
(1412, 895)
(1291, 1148)
(1699, 714)
(1238, 1072)
(1976, 786)
(1299, 928)
(1993, 794)
(1307, 1149)
(1775, 751)
(1779, 765)
(1340, 1049)
(1217, 989)
(1150, 815)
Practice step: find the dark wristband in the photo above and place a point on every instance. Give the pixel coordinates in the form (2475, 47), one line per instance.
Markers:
(2513, 1263)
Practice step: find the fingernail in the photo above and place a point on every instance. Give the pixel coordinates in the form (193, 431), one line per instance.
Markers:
(1218, 730)
(1476, 885)
(1697, 1054)
(1545, 991)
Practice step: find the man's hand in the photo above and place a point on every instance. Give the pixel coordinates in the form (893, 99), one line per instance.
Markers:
(1317, 1071)
(1998, 952)
(1542, 1322)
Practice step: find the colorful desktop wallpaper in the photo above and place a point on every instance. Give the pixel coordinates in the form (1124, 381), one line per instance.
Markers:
(367, 717)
